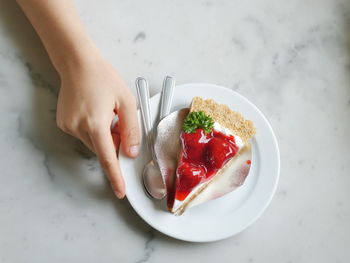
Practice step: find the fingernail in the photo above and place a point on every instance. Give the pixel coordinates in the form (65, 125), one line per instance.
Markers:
(118, 194)
(134, 150)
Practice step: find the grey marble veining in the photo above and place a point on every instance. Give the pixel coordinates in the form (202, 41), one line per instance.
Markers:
(292, 59)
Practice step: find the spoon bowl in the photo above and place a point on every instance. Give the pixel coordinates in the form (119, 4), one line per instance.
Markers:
(153, 181)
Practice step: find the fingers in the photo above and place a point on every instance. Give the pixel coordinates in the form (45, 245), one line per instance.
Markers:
(103, 144)
(129, 127)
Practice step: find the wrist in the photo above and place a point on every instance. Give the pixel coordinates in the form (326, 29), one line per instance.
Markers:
(75, 58)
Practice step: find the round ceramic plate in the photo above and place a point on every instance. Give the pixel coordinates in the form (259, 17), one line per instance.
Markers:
(225, 216)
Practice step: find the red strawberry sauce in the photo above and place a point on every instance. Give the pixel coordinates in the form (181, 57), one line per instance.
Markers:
(203, 154)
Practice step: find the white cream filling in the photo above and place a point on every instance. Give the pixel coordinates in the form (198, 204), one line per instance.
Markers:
(227, 131)
(239, 143)
(178, 203)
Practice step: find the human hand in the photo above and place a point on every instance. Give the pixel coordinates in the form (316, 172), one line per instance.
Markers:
(91, 94)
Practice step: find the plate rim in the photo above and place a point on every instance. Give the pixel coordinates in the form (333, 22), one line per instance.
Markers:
(270, 196)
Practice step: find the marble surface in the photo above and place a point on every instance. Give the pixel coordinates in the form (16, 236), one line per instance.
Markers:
(291, 58)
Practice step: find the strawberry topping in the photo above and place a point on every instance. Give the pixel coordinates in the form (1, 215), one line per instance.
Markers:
(203, 154)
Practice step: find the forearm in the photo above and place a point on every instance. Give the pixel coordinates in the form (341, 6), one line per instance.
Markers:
(59, 27)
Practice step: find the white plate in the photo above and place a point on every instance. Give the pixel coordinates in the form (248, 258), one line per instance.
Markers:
(225, 216)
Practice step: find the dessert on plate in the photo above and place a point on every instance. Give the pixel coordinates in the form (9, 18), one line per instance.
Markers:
(213, 136)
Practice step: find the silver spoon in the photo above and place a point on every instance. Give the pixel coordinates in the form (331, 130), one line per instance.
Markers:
(152, 178)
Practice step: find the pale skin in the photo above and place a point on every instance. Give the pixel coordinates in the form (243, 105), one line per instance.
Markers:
(91, 90)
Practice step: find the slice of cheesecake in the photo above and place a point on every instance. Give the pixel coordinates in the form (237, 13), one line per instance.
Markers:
(212, 136)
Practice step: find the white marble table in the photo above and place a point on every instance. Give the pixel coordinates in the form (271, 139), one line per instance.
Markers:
(291, 58)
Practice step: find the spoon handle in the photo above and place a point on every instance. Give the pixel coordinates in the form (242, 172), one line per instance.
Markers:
(143, 95)
(167, 96)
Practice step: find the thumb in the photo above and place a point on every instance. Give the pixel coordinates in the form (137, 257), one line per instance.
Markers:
(129, 127)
